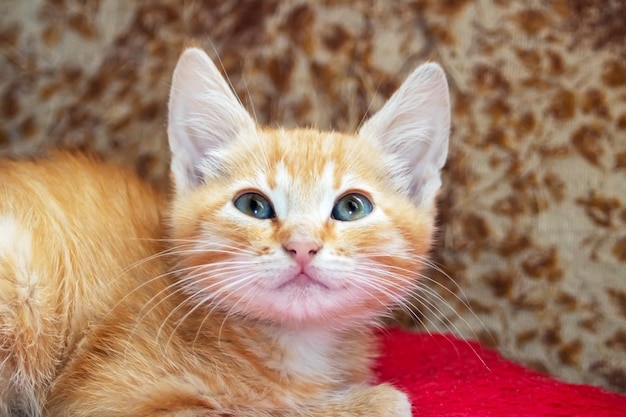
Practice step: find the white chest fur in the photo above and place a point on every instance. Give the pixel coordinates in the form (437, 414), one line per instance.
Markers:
(309, 354)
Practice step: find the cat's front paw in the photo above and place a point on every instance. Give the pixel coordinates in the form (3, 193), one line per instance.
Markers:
(363, 401)
(390, 402)
(384, 401)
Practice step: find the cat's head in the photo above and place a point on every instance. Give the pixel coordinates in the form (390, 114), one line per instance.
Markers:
(302, 226)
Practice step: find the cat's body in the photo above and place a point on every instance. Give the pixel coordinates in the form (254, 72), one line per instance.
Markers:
(282, 249)
(68, 228)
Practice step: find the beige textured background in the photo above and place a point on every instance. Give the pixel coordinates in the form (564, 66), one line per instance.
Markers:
(534, 202)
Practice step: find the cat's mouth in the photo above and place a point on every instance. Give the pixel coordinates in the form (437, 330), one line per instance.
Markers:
(302, 280)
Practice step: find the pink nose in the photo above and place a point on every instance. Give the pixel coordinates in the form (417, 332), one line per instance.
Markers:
(302, 252)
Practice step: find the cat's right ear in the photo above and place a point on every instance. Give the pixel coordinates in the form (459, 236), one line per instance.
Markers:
(204, 117)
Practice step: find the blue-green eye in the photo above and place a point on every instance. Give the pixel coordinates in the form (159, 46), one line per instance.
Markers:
(255, 205)
(351, 207)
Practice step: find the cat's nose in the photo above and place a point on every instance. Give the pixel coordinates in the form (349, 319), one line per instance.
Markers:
(302, 252)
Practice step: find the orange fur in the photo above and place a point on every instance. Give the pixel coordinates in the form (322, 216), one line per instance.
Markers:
(77, 225)
(107, 310)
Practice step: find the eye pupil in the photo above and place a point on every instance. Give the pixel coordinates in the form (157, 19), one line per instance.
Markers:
(351, 207)
(255, 205)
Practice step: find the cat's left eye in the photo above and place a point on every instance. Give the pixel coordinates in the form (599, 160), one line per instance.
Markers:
(351, 207)
(255, 205)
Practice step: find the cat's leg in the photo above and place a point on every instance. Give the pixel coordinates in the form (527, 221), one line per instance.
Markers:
(362, 401)
(359, 401)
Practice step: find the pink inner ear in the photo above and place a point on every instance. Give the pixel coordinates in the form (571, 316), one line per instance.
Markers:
(413, 129)
(204, 117)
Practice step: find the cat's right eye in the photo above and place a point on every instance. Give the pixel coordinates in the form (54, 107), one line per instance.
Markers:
(255, 205)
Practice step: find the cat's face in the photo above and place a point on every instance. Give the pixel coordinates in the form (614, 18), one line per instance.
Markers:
(301, 226)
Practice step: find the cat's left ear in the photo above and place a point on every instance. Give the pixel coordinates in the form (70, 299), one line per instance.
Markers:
(413, 128)
(205, 116)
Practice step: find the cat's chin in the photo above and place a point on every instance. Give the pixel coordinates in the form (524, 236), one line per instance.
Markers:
(303, 302)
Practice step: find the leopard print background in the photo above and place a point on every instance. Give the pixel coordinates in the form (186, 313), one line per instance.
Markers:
(533, 238)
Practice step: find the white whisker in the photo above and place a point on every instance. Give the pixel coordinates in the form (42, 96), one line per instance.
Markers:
(380, 279)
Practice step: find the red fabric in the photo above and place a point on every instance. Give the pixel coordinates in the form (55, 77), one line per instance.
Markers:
(448, 377)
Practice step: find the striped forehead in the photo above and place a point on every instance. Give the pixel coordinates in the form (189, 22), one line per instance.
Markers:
(303, 172)
(311, 196)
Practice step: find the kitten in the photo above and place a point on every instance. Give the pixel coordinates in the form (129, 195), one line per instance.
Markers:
(283, 248)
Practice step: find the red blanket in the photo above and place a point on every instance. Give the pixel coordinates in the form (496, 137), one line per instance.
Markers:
(448, 377)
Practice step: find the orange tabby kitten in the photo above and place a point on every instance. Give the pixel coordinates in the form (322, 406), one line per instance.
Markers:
(283, 248)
